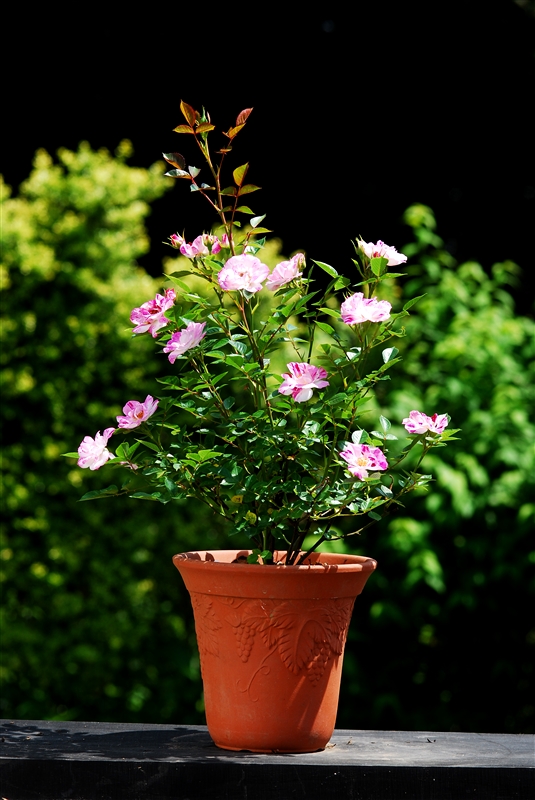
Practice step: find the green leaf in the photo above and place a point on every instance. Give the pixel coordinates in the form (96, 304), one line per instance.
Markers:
(327, 268)
(255, 221)
(122, 451)
(411, 302)
(156, 496)
(206, 455)
(183, 129)
(99, 493)
(339, 398)
(385, 491)
(341, 283)
(324, 327)
(256, 231)
(379, 265)
(248, 188)
(70, 455)
(385, 424)
(374, 516)
(234, 360)
(150, 445)
(230, 190)
(176, 159)
(239, 174)
(243, 209)
(171, 487)
(204, 127)
(177, 173)
(331, 312)
(389, 354)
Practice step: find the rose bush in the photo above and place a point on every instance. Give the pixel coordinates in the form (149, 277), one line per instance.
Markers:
(280, 455)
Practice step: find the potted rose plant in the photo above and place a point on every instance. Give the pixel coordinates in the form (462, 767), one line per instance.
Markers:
(261, 420)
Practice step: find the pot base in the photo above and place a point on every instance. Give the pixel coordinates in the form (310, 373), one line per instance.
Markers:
(267, 752)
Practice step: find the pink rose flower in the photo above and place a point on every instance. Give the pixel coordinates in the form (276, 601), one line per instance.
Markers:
(361, 458)
(357, 309)
(93, 452)
(184, 340)
(151, 315)
(417, 422)
(176, 240)
(196, 248)
(135, 412)
(285, 272)
(199, 246)
(244, 273)
(382, 250)
(301, 380)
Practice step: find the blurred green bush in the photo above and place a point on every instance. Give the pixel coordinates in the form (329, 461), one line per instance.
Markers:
(95, 624)
(449, 643)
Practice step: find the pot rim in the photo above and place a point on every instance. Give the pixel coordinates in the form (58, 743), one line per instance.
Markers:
(321, 562)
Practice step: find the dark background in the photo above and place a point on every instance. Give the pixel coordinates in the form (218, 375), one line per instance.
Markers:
(359, 111)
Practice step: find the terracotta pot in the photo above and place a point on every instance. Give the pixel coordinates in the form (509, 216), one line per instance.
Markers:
(271, 642)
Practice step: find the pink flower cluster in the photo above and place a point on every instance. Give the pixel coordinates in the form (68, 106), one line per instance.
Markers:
(382, 250)
(199, 246)
(184, 340)
(247, 273)
(357, 309)
(135, 412)
(302, 380)
(285, 272)
(93, 453)
(151, 315)
(417, 422)
(361, 458)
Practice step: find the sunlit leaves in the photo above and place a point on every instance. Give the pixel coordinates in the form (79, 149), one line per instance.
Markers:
(204, 127)
(239, 174)
(243, 116)
(327, 268)
(389, 354)
(248, 188)
(176, 159)
(178, 173)
(189, 113)
(232, 132)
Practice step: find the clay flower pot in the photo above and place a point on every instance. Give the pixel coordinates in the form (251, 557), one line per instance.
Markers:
(271, 642)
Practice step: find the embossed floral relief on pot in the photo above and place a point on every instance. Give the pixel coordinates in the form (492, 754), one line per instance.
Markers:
(304, 634)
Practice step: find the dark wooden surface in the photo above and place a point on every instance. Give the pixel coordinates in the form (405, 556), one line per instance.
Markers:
(101, 761)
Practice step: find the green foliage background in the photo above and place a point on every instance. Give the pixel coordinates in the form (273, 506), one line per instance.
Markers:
(95, 623)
